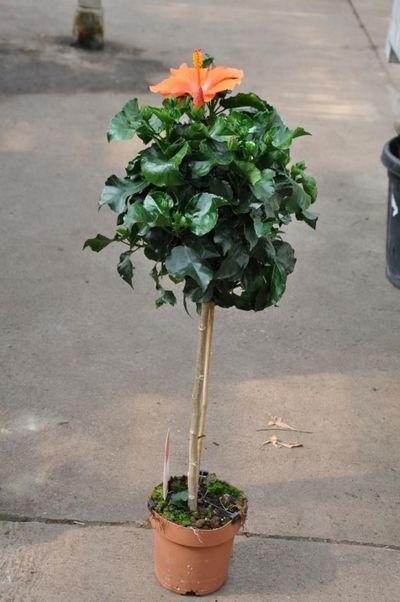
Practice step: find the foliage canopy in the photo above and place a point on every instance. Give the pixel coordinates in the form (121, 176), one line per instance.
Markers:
(208, 197)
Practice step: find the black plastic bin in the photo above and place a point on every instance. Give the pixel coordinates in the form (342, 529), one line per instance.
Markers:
(391, 159)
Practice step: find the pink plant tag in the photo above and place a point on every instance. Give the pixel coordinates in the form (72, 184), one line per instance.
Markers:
(166, 472)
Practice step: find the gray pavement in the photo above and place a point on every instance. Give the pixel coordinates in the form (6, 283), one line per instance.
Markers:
(92, 375)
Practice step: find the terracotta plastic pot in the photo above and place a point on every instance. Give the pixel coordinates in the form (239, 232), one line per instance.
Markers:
(189, 560)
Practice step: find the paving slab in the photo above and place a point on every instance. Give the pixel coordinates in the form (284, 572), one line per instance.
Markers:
(114, 564)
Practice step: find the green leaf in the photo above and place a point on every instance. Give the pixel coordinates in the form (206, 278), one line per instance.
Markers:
(124, 124)
(180, 496)
(278, 283)
(137, 214)
(250, 235)
(220, 187)
(310, 187)
(298, 174)
(195, 131)
(284, 256)
(202, 212)
(232, 266)
(158, 205)
(309, 217)
(158, 241)
(98, 243)
(264, 251)
(159, 170)
(225, 235)
(249, 170)
(204, 247)
(117, 191)
(184, 261)
(222, 130)
(125, 267)
(262, 228)
(263, 188)
(283, 136)
(207, 61)
(293, 197)
(168, 117)
(212, 158)
(245, 100)
(166, 298)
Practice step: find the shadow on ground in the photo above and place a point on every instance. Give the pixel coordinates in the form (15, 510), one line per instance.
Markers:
(54, 65)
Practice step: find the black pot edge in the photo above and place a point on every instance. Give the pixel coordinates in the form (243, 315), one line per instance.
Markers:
(388, 158)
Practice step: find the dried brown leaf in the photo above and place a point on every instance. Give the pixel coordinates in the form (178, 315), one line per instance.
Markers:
(290, 445)
(275, 442)
(278, 421)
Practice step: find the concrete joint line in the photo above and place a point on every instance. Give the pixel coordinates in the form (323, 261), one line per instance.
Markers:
(326, 540)
(371, 44)
(18, 518)
(73, 522)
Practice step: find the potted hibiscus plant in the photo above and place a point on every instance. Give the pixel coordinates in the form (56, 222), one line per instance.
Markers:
(206, 200)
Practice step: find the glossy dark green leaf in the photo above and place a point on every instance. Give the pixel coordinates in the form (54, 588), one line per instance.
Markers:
(117, 191)
(245, 100)
(284, 136)
(310, 187)
(158, 206)
(159, 240)
(220, 187)
(124, 124)
(165, 298)
(195, 131)
(262, 228)
(161, 171)
(125, 267)
(204, 247)
(250, 235)
(250, 170)
(207, 61)
(202, 212)
(264, 251)
(278, 283)
(225, 235)
(137, 214)
(309, 217)
(184, 261)
(293, 197)
(197, 293)
(212, 158)
(222, 129)
(98, 243)
(233, 264)
(263, 188)
(284, 256)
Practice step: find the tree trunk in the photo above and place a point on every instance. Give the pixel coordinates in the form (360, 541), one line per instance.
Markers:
(207, 362)
(199, 408)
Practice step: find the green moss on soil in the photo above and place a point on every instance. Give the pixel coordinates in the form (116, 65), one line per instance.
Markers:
(217, 501)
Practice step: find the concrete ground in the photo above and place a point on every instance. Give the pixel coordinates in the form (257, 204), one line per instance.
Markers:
(92, 375)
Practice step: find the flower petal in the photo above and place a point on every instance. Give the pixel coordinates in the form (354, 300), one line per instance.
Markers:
(218, 74)
(225, 84)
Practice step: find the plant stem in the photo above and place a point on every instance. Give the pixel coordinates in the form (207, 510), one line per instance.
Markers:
(197, 396)
(207, 362)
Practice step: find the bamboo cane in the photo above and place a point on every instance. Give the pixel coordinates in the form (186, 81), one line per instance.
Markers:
(194, 464)
(207, 362)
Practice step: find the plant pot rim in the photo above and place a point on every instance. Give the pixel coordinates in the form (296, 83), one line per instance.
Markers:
(192, 536)
(389, 158)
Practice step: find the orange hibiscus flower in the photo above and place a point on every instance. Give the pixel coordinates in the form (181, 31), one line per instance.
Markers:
(202, 84)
